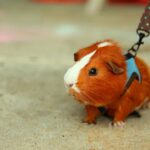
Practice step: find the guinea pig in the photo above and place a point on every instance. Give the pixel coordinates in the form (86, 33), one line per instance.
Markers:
(98, 79)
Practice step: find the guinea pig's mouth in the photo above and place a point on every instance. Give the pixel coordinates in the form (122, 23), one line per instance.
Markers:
(83, 98)
(78, 96)
(72, 87)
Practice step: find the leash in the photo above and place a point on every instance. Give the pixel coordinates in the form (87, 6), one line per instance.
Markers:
(143, 31)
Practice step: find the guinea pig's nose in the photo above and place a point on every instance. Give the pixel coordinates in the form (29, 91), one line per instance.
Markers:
(70, 85)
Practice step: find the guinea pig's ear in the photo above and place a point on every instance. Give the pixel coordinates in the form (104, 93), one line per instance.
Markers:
(76, 58)
(114, 68)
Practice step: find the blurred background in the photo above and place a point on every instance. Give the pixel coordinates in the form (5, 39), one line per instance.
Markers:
(37, 42)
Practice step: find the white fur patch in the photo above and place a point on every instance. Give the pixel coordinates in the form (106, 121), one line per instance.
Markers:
(104, 44)
(71, 76)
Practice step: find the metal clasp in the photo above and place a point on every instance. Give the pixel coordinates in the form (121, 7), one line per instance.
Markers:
(134, 49)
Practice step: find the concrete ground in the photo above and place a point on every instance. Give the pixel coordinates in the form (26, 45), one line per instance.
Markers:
(37, 43)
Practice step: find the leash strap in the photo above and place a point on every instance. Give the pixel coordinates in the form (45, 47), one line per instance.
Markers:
(144, 26)
(143, 31)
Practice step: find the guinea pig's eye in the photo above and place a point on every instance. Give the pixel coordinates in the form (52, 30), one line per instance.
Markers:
(93, 72)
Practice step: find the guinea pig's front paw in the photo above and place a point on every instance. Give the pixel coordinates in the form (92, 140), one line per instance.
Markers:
(118, 124)
(89, 120)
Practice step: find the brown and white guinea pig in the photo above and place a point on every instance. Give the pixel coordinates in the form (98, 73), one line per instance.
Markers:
(98, 79)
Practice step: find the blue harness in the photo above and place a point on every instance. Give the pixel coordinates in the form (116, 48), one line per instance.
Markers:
(132, 72)
(132, 69)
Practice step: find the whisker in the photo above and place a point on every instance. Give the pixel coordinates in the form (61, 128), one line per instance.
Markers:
(90, 98)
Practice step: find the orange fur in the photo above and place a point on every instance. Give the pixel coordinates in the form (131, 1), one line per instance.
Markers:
(105, 88)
